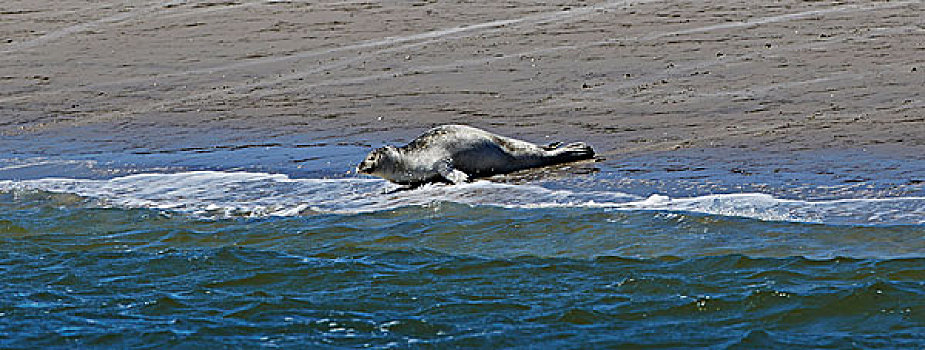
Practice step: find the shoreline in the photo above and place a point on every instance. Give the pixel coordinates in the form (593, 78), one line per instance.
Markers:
(820, 174)
(644, 82)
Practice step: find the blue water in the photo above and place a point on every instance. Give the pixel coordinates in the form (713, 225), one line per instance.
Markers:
(170, 249)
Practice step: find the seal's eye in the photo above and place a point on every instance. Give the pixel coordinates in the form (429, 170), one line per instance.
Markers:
(374, 157)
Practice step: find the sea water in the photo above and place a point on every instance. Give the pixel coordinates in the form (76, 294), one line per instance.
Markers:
(98, 253)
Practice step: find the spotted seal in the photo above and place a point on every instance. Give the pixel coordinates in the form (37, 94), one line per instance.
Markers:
(458, 153)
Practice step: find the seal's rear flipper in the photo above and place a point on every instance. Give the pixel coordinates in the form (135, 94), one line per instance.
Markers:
(575, 151)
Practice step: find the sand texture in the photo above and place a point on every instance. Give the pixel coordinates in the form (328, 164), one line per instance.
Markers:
(631, 77)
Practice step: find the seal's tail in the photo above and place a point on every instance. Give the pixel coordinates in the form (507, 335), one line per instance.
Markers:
(575, 151)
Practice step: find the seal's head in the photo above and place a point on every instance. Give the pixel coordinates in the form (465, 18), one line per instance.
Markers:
(379, 162)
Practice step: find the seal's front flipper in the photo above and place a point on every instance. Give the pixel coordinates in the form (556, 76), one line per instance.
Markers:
(451, 174)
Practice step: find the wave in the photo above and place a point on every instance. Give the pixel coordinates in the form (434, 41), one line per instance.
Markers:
(229, 194)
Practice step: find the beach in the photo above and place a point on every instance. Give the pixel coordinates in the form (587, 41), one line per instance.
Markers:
(629, 76)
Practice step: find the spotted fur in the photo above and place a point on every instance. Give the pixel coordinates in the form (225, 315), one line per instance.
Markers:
(458, 153)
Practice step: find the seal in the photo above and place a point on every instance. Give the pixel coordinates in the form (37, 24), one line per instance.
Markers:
(458, 153)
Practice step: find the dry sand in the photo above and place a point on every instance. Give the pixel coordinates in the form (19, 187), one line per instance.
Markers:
(631, 77)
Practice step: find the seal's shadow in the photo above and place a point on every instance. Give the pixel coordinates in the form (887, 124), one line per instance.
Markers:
(555, 171)
(523, 176)
(405, 188)
(400, 190)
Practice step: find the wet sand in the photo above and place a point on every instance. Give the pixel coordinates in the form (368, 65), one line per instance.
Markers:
(739, 86)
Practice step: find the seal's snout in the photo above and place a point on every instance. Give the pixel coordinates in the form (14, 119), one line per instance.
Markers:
(365, 168)
(368, 165)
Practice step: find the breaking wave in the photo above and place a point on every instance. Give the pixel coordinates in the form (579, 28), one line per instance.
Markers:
(228, 194)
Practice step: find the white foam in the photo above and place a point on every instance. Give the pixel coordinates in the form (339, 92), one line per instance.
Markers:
(15, 164)
(223, 194)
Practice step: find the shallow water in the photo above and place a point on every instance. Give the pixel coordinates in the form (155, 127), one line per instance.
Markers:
(240, 258)
(275, 244)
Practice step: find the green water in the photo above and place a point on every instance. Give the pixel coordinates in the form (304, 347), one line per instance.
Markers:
(441, 275)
